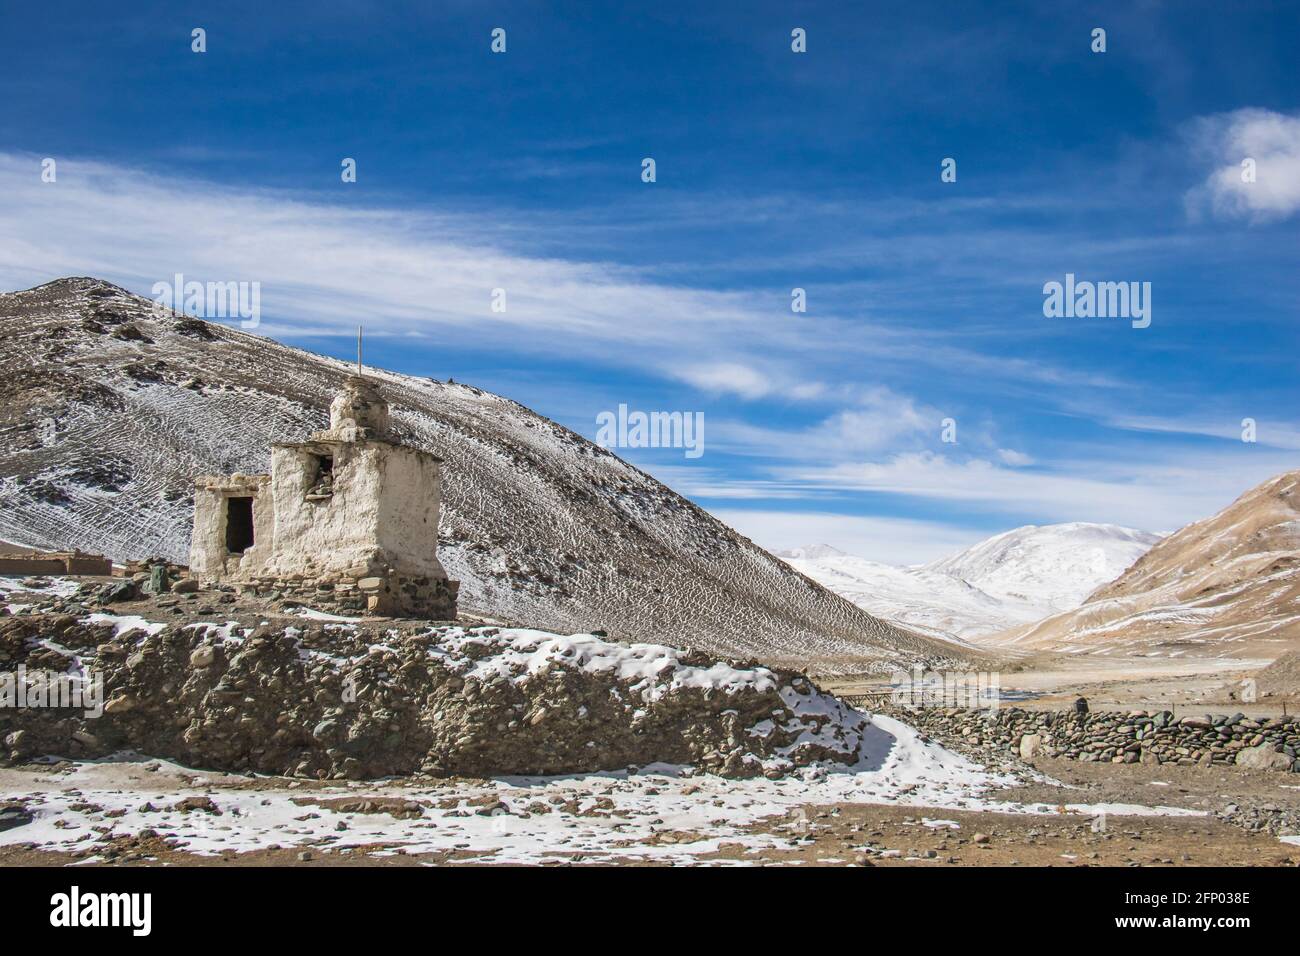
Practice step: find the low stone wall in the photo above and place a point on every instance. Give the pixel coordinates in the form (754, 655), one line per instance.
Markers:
(15, 566)
(1118, 737)
(57, 563)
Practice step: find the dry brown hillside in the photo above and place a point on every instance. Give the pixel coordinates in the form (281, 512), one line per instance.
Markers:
(1225, 586)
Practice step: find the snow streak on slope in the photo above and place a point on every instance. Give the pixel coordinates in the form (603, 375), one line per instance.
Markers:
(109, 411)
(1013, 578)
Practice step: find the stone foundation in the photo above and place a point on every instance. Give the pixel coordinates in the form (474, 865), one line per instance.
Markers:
(390, 595)
(1118, 737)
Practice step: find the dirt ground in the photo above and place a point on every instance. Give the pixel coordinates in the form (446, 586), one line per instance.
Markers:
(867, 834)
(893, 836)
(838, 835)
(1184, 686)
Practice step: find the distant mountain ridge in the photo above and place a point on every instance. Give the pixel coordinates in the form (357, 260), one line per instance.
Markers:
(811, 552)
(1227, 586)
(1053, 566)
(1013, 578)
(110, 409)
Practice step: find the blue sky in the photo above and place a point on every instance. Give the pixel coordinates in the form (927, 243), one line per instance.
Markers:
(775, 170)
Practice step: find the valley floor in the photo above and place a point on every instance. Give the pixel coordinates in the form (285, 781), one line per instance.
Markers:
(1183, 685)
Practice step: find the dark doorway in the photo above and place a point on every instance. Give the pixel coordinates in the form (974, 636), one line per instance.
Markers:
(239, 524)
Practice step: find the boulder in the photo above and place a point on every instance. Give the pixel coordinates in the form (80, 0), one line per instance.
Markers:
(1263, 757)
(1030, 745)
(203, 656)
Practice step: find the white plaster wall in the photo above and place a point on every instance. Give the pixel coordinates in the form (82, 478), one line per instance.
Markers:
(208, 556)
(408, 512)
(207, 547)
(339, 535)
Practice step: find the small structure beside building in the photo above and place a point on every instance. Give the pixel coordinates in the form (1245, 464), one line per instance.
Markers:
(16, 560)
(347, 520)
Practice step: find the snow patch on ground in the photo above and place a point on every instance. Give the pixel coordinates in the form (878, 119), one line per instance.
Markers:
(315, 615)
(521, 652)
(60, 587)
(124, 623)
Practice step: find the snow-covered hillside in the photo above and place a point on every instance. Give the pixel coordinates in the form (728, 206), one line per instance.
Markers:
(1049, 567)
(109, 411)
(1010, 579)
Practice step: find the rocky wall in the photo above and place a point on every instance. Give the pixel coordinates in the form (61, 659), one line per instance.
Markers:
(1120, 737)
(342, 700)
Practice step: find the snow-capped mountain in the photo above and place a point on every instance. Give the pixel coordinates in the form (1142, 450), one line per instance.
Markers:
(109, 410)
(922, 600)
(1011, 579)
(1048, 567)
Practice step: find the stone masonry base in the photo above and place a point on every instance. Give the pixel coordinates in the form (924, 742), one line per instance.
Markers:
(390, 595)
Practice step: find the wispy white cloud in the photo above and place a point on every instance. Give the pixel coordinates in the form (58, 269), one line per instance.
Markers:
(1153, 492)
(856, 451)
(880, 419)
(728, 378)
(1269, 432)
(1255, 158)
(704, 483)
(427, 273)
(323, 265)
(874, 418)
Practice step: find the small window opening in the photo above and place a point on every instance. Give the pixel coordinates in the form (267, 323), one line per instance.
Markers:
(322, 485)
(239, 525)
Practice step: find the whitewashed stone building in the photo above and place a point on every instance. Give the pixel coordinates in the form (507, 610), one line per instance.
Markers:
(347, 519)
